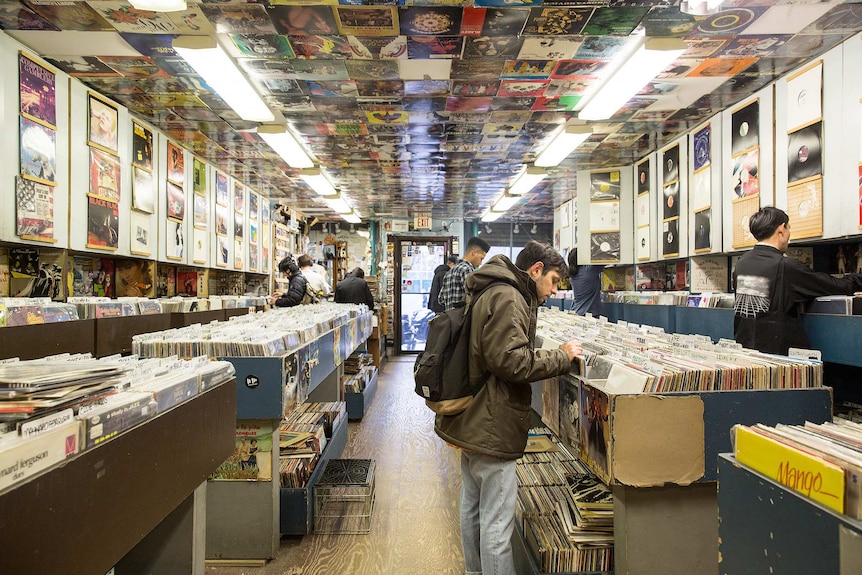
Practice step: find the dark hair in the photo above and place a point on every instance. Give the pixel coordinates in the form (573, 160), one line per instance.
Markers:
(305, 261)
(573, 261)
(764, 223)
(475, 242)
(538, 252)
(287, 265)
(453, 259)
(358, 272)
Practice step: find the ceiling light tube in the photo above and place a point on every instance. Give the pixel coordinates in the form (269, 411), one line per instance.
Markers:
(491, 216)
(352, 218)
(563, 144)
(338, 205)
(643, 65)
(527, 180)
(505, 203)
(700, 7)
(159, 5)
(317, 181)
(213, 64)
(285, 145)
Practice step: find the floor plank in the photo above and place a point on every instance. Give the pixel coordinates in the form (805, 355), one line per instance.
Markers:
(414, 528)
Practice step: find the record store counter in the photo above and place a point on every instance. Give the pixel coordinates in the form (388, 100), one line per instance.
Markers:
(135, 502)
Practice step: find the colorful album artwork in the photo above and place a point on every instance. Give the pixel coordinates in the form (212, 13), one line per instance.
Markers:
(104, 175)
(175, 242)
(199, 177)
(176, 202)
(221, 189)
(176, 163)
(37, 86)
(701, 146)
(142, 147)
(103, 224)
(34, 210)
(221, 220)
(143, 190)
(38, 152)
(102, 124)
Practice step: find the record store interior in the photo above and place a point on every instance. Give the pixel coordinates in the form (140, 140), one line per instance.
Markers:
(227, 228)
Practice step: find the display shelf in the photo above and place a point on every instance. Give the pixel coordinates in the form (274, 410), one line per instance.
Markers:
(114, 334)
(714, 322)
(766, 528)
(236, 312)
(836, 336)
(297, 504)
(37, 341)
(183, 319)
(92, 512)
(358, 403)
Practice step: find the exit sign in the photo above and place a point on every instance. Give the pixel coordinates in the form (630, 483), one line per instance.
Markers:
(422, 222)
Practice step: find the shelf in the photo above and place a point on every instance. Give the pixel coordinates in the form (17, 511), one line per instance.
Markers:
(114, 334)
(94, 509)
(37, 341)
(766, 528)
(525, 563)
(358, 403)
(297, 504)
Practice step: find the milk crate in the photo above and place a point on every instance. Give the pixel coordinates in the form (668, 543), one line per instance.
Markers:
(344, 497)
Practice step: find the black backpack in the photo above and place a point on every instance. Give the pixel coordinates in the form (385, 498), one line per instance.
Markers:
(442, 372)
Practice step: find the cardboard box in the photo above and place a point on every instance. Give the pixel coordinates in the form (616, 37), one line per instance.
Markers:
(642, 440)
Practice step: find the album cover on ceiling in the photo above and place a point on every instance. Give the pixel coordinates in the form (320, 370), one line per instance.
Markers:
(605, 185)
(701, 148)
(745, 128)
(670, 200)
(556, 21)
(372, 69)
(302, 20)
(492, 47)
(730, 21)
(702, 231)
(320, 46)
(125, 18)
(263, 45)
(477, 69)
(528, 69)
(600, 47)
(549, 48)
(462, 88)
(670, 238)
(431, 20)
(755, 46)
(842, 19)
(433, 47)
(578, 69)
(70, 16)
(367, 20)
(805, 97)
(605, 247)
(503, 21)
(665, 22)
(319, 70)
(616, 21)
(720, 67)
(670, 164)
(804, 153)
(745, 174)
(704, 46)
(807, 46)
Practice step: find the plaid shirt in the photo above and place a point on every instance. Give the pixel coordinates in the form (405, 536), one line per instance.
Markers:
(452, 292)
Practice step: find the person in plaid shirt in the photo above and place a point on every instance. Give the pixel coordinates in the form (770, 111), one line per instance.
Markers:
(452, 293)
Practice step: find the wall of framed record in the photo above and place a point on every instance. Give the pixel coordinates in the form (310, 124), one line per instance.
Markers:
(672, 208)
(704, 188)
(645, 247)
(605, 209)
(175, 202)
(33, 209)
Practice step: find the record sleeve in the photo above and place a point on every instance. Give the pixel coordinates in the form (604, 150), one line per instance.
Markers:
(605, 247)
(670, 164)
(745, 176)
(701, 145)
(805, 208)
(670, 201)
(701, 189)
(804, 153)
(805, 97)
(745, 128)
(644, 181)
(642, 211)
(604, 216)
(702, 230)
(642, 243)
(605, 185)
(670, 238)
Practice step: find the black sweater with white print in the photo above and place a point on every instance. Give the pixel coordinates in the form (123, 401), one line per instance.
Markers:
(770, 292)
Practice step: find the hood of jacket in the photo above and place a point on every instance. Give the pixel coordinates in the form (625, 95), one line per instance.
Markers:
(501, 269)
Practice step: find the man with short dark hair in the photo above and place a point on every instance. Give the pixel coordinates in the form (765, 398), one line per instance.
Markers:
(452, 293)
(317, 282)
(437, 283)
(354, 289)
(492, 430)
(771, 288)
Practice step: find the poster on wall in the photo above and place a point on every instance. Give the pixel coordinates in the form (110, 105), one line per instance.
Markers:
(103, 224)
(176, 202)
(805, 96)
(135, 278)
(199, 177)
(221, 216)
(221, 189)
(143, 192)
(104, 175)
(38, 152)
(34, 210)
(142, 147)
(199, 252)
(37, 86)
(103, 120)
(175, 241)
(141, 238)
(176, 163)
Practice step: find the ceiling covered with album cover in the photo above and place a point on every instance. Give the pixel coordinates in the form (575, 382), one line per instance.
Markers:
(426, 105)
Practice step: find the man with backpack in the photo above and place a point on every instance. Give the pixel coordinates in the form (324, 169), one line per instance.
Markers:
(492, 430)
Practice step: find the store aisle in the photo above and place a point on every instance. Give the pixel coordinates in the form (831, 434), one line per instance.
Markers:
(415, 523)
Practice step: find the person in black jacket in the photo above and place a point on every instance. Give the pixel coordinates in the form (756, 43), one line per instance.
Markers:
(437, 283)
(354, 289)
(771, 288)
(296, 289)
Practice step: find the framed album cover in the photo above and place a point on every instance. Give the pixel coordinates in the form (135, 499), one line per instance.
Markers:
(805, 96)
(34, 211)
(176, 164)
(143, 190)
(175, 242)
(38, 151)
(199, 177)
(103, 224)
(142, 239)
(104, 175)
(103, 119)
(804, 153)
(176, 202)
(38, 92)
(221, 189)
(142, 147)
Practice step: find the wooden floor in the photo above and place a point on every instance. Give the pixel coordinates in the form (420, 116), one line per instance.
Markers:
(415, 527)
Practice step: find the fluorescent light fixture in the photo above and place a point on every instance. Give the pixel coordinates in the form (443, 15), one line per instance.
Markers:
(527, 180)
(317, 181)
(159, 5)
(505, 203)
(700, 7)
(353, 219)
(285, 145)
(338, 205)
(208, 59)
(653, 56)
(491, 216)
(563, 144)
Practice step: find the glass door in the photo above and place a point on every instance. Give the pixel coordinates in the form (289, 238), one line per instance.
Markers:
(419, 258)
